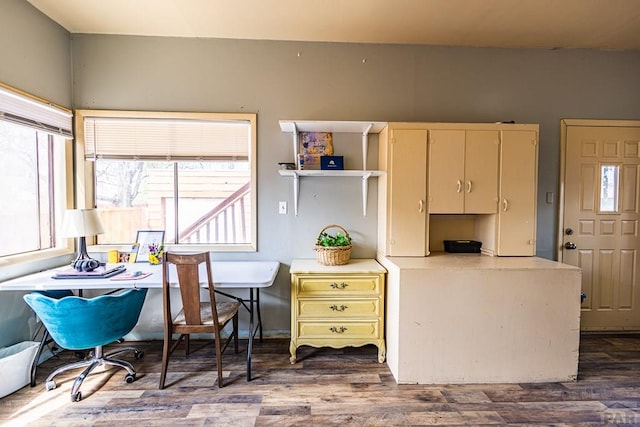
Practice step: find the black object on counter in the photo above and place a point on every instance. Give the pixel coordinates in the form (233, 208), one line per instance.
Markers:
(462, 246)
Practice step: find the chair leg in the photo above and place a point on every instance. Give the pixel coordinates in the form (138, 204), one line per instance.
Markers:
(218, 359)
(235, 332)
(65, 368)
(165, 359)
(137, 353)
(75, 389)
(120, 364)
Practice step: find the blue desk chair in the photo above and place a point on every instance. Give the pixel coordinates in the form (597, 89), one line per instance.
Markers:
(77, 323)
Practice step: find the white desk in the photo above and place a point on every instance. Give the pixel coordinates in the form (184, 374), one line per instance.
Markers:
(251, 275)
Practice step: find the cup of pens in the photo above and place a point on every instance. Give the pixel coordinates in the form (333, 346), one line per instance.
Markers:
(155, 253)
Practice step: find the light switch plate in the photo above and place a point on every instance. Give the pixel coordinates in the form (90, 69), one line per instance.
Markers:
(282, 208)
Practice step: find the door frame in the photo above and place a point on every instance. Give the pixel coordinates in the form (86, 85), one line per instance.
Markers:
(564, 124)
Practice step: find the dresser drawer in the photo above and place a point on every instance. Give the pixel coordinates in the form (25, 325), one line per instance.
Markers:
(360, 285)
(338, 329)
(338, 308)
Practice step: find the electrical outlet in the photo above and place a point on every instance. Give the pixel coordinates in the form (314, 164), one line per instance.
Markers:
(282, 208)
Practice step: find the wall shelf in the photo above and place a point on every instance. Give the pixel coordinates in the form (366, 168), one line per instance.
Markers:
(354, 173)
(363, 128)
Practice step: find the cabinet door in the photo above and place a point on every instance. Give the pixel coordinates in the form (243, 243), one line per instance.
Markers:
(481, 171)
(407, 193)
(446, 171)
(518, 188)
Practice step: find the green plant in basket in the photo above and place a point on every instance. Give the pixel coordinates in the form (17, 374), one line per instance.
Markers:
(333, 249)
(325, 239)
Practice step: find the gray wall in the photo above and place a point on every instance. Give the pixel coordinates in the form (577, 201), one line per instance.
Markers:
(35, 51)
(322, 81)
(36, 58)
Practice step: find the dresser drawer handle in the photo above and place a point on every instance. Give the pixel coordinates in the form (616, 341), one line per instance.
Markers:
(341, 308)
(340, 286)
(340, 330)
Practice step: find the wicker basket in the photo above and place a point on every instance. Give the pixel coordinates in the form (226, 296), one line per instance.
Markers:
(333, 255)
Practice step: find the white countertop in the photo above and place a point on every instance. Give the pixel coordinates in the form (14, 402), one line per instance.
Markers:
(443, 260)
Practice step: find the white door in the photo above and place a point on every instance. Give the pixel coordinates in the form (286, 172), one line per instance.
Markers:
(600, 219)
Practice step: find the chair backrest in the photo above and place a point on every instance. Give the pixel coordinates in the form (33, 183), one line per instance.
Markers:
(77, 323)
(191, 270)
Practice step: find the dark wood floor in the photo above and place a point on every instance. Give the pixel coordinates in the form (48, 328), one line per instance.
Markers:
(329, 387)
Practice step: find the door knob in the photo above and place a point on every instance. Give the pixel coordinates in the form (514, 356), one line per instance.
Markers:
(570, 245)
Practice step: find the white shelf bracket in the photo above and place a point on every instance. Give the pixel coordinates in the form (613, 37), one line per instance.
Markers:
(296, 159)
(365, 144)
(365, 192)
(296, 193)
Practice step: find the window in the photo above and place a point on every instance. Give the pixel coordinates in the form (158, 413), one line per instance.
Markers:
(609, 188)
(189, 174)
(34, 142)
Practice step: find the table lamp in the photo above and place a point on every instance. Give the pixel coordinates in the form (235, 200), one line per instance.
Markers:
(81, 223)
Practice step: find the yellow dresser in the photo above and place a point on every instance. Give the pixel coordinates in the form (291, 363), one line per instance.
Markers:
(337, 306)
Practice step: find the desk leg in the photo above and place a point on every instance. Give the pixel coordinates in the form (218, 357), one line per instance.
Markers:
(259, 314)
(34, 364)
(251, 334)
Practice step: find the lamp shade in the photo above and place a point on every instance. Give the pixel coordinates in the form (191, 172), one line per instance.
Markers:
(80, 223)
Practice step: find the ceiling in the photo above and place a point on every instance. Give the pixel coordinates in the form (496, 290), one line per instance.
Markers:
(547, 24)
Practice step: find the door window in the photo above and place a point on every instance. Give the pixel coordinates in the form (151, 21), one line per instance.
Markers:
(609, 188)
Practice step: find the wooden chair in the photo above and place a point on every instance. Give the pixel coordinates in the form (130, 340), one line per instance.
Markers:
(196, 316)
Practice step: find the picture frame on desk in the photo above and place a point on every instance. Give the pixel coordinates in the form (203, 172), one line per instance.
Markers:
(145, 238)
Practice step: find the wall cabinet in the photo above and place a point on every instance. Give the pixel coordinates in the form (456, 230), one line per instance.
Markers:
(402, 207)
(516, 226)
(337, 306)
(463, 171)
(439, 171)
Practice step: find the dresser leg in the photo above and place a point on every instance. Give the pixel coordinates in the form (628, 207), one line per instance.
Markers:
(382, 352)
(292, 350)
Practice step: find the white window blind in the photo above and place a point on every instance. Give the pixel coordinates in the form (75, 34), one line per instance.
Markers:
(26, 111)
(165, 139)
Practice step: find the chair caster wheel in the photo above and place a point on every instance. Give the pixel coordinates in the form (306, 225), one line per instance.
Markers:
(129, 378)
(49, 385)
(76, 397)
(139, 355)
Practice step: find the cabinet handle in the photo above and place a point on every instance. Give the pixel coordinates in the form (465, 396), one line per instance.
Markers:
(340, 330)
(459, 188)
(469, 186)
(340, 286)
(341, 308)
(505, 205)
(420, 206)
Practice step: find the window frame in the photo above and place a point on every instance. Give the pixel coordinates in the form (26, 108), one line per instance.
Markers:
(84, 176)
(38, 119)
(617, 189)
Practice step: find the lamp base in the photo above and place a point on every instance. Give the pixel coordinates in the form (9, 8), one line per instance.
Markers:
(83, 261)
(85, 264)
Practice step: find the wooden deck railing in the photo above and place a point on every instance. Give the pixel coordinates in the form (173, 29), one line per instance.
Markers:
(226, 223)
